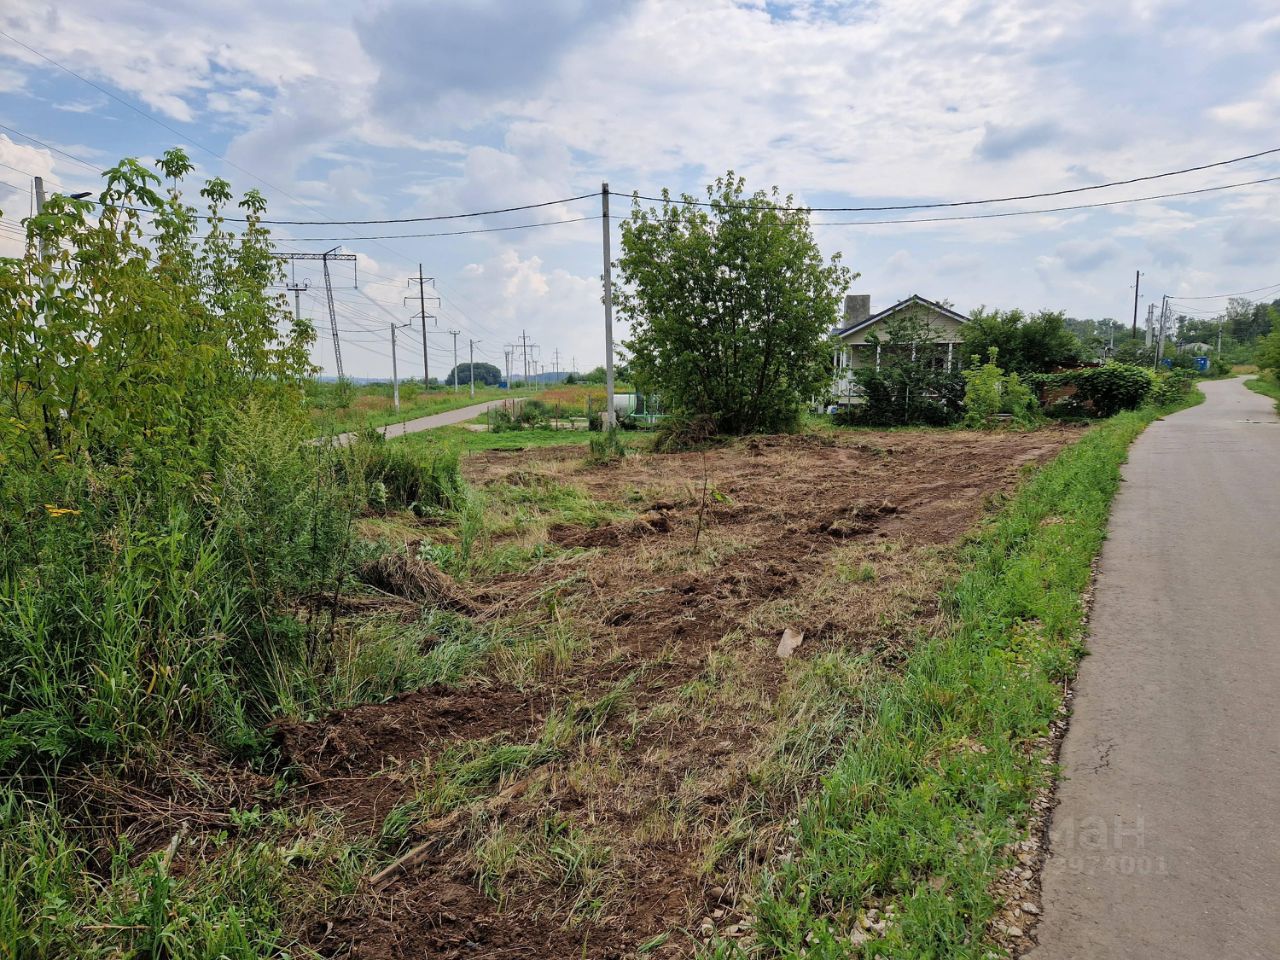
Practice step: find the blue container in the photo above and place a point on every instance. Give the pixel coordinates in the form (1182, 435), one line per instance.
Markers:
(1202, 364)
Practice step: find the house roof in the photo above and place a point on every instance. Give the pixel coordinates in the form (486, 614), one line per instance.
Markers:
(914, 300)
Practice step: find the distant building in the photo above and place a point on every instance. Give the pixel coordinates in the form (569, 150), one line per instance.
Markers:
(859, 322)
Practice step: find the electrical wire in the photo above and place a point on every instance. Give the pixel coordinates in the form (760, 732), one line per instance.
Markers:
(450, 233)
(96, 168)
(1223, 296)
(967, 203)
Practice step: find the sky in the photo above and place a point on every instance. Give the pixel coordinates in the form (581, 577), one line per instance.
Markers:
(417, 108)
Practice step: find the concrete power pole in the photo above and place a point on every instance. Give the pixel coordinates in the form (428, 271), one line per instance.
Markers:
(1137, 280)
(454, 334)
(394, 374)
(1151, 322)
(471, 365)
(1164, 314)
(506, 360)
(609, 420)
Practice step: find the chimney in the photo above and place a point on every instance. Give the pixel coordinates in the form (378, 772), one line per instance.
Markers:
(857, 307)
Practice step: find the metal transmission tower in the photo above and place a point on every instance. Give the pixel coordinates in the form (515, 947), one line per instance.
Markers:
(328, 290)
(525, 347)
(422, 281)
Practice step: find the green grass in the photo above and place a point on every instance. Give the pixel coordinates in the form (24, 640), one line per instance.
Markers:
(472, 440)
(1267, 385)
(919, 807)
(371, 406)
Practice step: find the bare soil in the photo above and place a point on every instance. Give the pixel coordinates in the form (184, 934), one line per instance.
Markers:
(657, 785)
(653, 820)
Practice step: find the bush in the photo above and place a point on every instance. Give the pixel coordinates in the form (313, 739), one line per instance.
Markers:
(398, 477)
(678, 433)
(890, 400)
(988, 394)
(606, 447)
(1170, 388)
(524, 415)
(1103, 391)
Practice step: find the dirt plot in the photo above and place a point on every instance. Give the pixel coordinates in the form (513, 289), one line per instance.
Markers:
(613, 789)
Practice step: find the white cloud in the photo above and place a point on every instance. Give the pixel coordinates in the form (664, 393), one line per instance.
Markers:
(445, 106)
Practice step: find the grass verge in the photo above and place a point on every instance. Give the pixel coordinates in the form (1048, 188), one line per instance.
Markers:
(371, 406)
(915, 817)
(1267, 385)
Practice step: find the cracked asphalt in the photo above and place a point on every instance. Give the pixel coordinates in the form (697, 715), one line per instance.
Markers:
(1165, 842)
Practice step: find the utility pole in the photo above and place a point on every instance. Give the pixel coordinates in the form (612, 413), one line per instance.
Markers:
(506, 356)
(422, 316)
(40, 207)
(525, 346)
(608, 421)
(454, 334)
(297, 289)
(555, 360)
(1151, 323)
(395, 374)
(471, 354)
(1137, 279)
(1164, 313)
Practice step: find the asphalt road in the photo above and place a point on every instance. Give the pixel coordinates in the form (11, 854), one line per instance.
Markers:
(450, 417)
(1166, 841)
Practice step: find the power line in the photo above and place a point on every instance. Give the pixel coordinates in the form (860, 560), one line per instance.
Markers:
(1223, 296)
(434, 217)
(1024, 213)
(96, 168)
(450, 233)
(967, 203)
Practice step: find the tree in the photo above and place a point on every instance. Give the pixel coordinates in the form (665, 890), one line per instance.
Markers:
(730, 306)
(1096, 336)
(485, 373)
(1028, 343)
(118, 349)
(910, 382)
(1269, 352)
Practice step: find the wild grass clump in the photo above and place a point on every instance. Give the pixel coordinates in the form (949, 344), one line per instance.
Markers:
(54, 903)
(400, 477)
(520, 415)
(605, 448)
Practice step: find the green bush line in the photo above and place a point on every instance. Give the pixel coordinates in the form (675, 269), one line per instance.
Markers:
(938, 781)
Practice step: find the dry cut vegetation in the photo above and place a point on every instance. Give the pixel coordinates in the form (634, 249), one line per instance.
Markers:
(608, 748)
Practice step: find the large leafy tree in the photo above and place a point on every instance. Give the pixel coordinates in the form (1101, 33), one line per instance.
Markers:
(730, 305)
(485, 373)
(1027, 342)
